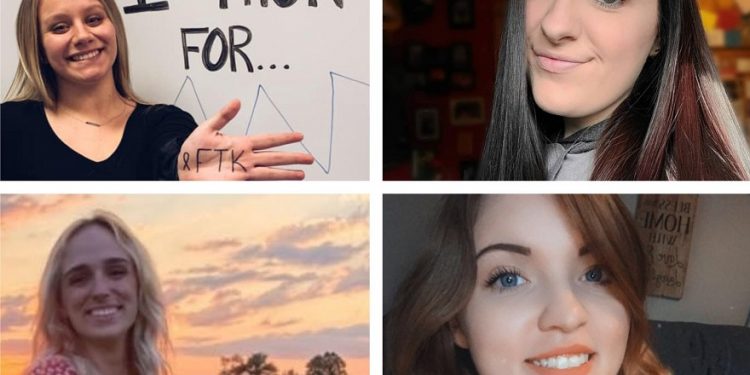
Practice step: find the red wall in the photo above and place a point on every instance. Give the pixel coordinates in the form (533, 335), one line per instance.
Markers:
(436, 32)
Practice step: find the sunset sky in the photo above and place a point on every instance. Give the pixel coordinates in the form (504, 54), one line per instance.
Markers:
(284, 275)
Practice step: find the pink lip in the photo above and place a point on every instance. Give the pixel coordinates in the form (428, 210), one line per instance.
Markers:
(555, 63)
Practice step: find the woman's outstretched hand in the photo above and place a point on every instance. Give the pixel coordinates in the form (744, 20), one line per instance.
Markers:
(207, 154)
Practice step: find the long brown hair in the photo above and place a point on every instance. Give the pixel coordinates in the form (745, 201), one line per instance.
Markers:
(677, 123)
(35, 79)
(418, 334)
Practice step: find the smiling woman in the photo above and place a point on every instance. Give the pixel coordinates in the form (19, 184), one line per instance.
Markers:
(100, 307)
(71, 113)
(526, 285)
(610, 90)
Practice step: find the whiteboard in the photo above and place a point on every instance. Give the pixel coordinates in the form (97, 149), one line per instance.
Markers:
(299, 65)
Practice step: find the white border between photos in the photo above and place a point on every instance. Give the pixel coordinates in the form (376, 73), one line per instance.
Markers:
(375, 188)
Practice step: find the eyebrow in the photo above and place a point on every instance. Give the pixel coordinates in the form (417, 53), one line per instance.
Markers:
(513, 248)
(107, 262)
(518, 249)
(61, 15)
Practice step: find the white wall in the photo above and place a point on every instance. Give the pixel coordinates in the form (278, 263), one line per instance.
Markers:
(717, 285)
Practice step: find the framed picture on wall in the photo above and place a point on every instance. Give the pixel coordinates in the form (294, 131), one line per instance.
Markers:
(424, 165)
(461, 14)
(416, 56)
(460, 56)
(467, 111)
(427, 123)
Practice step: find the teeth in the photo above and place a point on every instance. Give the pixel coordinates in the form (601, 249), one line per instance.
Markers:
(85, 56)
(562, 361)
(104, 312)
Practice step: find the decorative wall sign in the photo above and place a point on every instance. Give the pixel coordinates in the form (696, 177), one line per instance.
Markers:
(428, 124)
(467, 111)
(666, 222)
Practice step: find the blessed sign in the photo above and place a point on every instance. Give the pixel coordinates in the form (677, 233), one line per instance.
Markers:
(667, 223)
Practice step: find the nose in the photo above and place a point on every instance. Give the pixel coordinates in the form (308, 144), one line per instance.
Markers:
(101, 288)
(563, 311)
(81, 34)
(560, 22)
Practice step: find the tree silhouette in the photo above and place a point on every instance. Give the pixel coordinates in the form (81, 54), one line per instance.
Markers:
(327, 364)
(254, 365)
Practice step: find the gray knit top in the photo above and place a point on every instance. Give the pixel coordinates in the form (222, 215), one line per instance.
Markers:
(572, 157)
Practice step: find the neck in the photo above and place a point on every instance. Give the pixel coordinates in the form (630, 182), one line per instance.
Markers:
(573, 125)
(97, 100)
(109, 357)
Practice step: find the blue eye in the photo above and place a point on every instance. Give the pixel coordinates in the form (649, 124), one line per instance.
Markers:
(505, 279)
(596, 274)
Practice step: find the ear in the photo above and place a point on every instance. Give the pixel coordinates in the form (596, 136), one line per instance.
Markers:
(459, 338)
(656, 48)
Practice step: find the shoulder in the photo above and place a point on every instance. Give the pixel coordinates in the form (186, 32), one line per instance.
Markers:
(53, 365)
(20, 118)
(21, 107)
(165, 113)
(18, 113)
(21, 104)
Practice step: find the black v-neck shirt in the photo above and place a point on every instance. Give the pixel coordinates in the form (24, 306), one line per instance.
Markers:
(30, 150)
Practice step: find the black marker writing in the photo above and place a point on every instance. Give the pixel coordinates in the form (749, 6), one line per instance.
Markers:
(236, 47)
(185, 47)
(212, 67)
(220, 151)
(186, 160)
(282, 3)
(145, 6)
(221, 155)
(234, 160)
(198, 159)
(229, 48)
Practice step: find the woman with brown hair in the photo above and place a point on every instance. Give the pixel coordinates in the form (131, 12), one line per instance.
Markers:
(526, 285)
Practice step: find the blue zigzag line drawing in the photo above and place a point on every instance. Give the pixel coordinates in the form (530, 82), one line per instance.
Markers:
(195, 92)
(326, 168)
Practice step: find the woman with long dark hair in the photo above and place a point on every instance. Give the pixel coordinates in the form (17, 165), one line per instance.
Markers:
(525, 285)
(610, 90)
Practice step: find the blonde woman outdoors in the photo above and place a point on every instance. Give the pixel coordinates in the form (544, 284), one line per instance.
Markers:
(100, 306)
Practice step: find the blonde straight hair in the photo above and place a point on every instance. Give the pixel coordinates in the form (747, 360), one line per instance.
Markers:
(35, 79)
(148, 338)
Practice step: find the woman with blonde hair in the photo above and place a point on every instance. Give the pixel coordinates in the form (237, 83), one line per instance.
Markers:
(100, 305)
(525, 285)
(71, 113)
